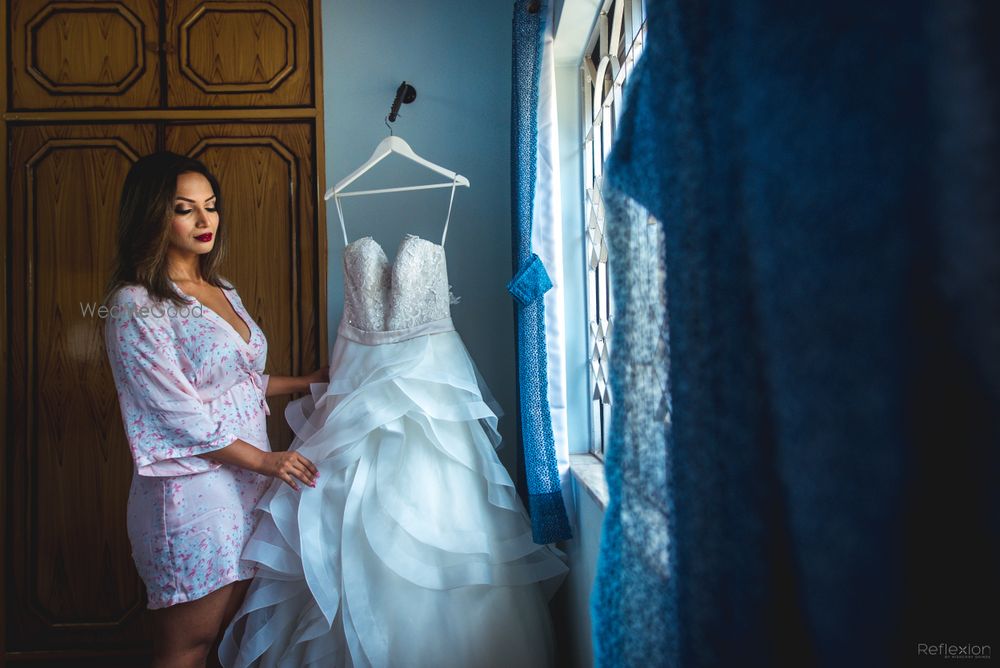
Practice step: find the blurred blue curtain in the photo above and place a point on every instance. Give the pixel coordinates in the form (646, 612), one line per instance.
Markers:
(539, 466)
(826, 179)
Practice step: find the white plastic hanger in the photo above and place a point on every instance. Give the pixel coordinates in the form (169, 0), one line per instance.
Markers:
(394, 144)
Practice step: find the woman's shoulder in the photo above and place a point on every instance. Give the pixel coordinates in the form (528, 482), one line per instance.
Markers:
(129, 294)
(137, 295)
(132, 306)
(134, 293)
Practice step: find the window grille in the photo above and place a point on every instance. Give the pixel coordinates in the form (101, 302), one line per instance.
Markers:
(610, 56)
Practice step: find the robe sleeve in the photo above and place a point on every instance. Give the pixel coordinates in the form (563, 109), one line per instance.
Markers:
(166, 422)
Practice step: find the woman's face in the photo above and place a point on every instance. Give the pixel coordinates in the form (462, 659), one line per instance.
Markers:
(195, 221)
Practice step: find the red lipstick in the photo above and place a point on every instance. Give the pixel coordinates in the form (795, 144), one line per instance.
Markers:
(204, 237)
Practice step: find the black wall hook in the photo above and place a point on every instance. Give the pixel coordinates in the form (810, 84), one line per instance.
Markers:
(405, 94)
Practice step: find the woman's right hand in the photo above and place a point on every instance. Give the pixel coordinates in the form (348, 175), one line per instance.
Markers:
(289, 466)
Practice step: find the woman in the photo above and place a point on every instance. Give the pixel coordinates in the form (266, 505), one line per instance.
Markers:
(188, 361)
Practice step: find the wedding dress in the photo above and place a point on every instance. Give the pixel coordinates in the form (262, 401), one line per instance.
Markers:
(413, 549)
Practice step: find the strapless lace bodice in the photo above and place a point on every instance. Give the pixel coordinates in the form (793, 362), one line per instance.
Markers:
(383, 297)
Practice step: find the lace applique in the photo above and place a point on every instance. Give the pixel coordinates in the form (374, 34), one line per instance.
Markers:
(366, 284)
(381, 296)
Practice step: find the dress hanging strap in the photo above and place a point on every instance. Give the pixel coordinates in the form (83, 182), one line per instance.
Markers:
(340, 214)
(451, 201)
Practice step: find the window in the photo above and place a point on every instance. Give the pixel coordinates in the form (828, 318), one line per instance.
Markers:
(611, 54)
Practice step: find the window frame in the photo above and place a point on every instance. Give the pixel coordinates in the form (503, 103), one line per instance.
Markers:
(615, 44)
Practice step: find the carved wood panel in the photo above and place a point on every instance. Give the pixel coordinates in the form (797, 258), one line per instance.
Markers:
(238, 53)
(73, 581)
(81, 55)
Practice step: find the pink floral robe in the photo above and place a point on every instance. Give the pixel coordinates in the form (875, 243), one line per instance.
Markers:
(187, 384)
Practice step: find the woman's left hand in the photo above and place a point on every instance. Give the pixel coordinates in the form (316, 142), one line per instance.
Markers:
(320, 375)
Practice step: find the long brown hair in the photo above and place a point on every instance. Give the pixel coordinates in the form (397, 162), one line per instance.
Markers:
(144, 215)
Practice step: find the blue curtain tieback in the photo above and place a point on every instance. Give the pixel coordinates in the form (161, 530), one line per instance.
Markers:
(530, 282)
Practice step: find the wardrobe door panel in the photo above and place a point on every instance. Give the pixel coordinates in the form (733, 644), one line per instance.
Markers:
(71, 581)
(239, 54)
(266, 175)
(74, 55)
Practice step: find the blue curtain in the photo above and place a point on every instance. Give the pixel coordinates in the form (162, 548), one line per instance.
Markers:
(630, 601)
(538, 466)
(826, 177)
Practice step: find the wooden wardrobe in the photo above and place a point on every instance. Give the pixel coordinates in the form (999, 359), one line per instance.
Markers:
(86, 88)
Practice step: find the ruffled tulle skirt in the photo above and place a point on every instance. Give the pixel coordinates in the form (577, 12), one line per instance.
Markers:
(413, 549)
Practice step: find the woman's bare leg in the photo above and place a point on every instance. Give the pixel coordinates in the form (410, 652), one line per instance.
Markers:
(237, 594)
(184, 633)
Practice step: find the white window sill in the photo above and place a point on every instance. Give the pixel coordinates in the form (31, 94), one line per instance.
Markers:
(589, 472)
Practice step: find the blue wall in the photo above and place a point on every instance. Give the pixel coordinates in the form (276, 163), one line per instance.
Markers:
(458, 57)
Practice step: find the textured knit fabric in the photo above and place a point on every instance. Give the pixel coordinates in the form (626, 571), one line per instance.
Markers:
(530, 282)
(540, 464)
(826, 179)
(634, 562)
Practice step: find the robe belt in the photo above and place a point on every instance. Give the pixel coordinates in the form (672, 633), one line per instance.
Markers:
(257, 378)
